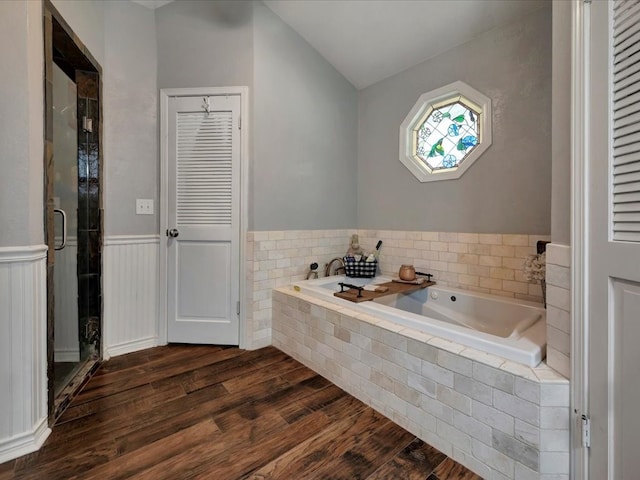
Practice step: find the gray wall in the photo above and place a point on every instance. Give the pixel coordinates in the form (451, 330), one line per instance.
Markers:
(205, 44)
(130, 116)
(304, 133)
(508, 189)
(21, 125)
(561, 125)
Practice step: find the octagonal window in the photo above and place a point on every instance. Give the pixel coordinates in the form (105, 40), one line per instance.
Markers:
(445, 132)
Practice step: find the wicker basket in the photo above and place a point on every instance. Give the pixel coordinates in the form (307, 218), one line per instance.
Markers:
(360, 269)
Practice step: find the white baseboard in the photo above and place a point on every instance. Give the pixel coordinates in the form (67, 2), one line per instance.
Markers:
(129, 347)
(24, 443)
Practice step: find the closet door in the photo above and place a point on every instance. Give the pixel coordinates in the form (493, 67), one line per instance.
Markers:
(613, 109)
(203, 260)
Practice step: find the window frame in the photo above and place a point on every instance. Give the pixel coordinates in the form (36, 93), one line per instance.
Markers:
(433, 100)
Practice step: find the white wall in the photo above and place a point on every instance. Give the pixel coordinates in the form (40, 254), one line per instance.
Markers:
(21, 124)
(204, 44)
(304, 133)
(561, 125)
(130, 115)
(508, 189)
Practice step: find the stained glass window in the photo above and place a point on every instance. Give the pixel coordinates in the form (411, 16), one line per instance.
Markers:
(445, 132)
(447, 135)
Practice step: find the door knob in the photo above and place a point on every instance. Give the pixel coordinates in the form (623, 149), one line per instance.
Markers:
(173, 233)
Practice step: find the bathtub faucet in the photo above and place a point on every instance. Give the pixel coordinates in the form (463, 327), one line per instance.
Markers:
(313, 271)
(327, 268)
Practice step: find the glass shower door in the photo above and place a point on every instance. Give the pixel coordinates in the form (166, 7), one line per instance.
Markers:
(68, 355)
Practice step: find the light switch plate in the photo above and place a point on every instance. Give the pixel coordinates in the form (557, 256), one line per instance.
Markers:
(144, 206)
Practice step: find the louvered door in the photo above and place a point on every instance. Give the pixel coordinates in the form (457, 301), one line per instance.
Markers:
(613, 323)
(203, 218)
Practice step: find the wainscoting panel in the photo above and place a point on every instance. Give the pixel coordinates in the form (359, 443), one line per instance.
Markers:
(23, 350)
(131, 287)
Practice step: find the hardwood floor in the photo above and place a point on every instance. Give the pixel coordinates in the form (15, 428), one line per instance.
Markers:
(201, 412)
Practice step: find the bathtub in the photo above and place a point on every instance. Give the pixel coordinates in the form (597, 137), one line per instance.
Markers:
(509, 328)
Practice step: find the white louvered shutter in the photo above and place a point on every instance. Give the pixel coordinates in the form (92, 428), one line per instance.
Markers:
(626, 121)
(204, 192)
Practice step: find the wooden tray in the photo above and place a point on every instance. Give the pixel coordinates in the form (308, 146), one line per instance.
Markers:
(394, 287)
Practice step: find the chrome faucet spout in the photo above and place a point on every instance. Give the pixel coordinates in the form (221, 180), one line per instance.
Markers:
(327, 269)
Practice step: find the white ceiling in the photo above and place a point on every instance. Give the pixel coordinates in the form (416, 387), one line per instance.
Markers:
(370, 40)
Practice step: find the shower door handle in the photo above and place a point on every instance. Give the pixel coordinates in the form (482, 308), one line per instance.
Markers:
(64, 228)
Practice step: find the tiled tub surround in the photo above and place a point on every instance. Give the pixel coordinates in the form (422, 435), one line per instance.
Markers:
(487, 263)
(278, 258)
(498, 418)
(558, 275)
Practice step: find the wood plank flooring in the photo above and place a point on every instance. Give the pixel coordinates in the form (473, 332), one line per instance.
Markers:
(202, 412)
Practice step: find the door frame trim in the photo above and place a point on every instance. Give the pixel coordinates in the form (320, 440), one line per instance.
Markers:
(580, 211)
(165, 94)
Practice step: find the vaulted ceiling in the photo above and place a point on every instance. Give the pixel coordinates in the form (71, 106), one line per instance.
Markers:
(370, 40)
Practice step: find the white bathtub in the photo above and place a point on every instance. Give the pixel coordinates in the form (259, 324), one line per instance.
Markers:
(512, 329)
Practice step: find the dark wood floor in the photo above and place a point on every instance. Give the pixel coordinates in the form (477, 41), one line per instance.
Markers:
(183, 412)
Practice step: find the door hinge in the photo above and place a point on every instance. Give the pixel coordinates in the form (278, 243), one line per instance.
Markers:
(586, 431)
(239, 122)
(238, 307)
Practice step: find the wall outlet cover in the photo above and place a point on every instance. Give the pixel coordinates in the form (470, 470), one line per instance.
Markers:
(144, 206)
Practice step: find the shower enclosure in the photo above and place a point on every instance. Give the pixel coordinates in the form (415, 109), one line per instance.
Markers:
(73, 222)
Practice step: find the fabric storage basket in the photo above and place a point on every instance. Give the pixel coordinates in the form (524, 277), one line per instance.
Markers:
(360, 269)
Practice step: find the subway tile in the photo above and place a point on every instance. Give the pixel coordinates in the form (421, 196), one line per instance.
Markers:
(472, 427)
(437, 409)
(555, 440)
(559, 361)
(513, 448)
(527, 389)
(473, 389)
(493, 458)
(502, 273)
(516, 407)
(492, 417)
(455, 363)
(554, 417)
(559, 319)
(555, 395)
(422, 350)
(479, 249)
(489, 261)
(554, 462)
(468, 237)
(559, 340)
(454, 436)
(516, 240)
(453, 399)
(437, 373)
(558, 276)
(559, 255)
(493, 377)
(422, 384)
(490, 239)
(502, 251)
(527, 433)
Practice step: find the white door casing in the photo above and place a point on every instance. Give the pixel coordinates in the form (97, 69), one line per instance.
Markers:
(610, 260)
(203, 173)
